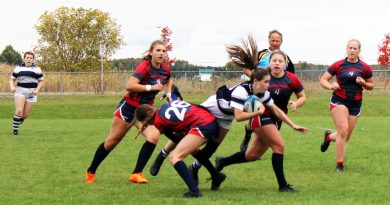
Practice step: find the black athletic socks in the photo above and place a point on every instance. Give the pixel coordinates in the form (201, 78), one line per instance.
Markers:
(100, 154)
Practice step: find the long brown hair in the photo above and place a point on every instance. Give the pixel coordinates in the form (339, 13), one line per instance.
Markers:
(244, 55)
(145, 114)
(259, 74)
(147, 56)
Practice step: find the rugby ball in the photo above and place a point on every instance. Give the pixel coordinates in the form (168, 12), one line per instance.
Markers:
(252, 104)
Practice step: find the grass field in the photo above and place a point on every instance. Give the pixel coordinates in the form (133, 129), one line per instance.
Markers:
(46, 162)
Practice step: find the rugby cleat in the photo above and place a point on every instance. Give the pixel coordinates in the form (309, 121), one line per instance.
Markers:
(340, 168)
(217, 181)
(287, 188)
(155, 168)
(191, 194)
(194, 173)
(138, 178)
(325, 144)
(15, 132)
(89, 177)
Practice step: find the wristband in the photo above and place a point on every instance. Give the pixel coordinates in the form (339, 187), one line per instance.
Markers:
(168, 95)
(148, 87)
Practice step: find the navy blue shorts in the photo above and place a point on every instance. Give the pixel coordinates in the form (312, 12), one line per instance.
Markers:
(354, 107)
(209, 131)
(261, 121)
(125, 111)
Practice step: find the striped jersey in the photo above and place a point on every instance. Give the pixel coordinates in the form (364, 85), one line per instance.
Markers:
(27, 76)
(236, 96)
(148, 75)
(346, 74)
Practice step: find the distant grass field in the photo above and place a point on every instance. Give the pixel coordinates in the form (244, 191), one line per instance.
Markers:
(46, 162)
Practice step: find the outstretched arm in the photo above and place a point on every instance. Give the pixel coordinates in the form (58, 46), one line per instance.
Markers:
(282, 116)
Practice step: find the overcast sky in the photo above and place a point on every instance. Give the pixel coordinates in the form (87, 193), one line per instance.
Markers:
(314, 31)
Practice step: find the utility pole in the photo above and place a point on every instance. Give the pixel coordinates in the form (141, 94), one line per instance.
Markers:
(101, 49)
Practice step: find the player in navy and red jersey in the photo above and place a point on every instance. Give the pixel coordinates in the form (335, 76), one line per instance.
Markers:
(150, 77)
(352, 75)
(282, 85)
(199, 126)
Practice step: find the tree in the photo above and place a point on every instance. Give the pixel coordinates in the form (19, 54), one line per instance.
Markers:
(165, 37)
(10, 56)
(232, 66)
(384, 51)
(74, 39)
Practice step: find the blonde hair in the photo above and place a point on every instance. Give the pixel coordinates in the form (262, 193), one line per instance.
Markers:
(355, 40)
(280, 53)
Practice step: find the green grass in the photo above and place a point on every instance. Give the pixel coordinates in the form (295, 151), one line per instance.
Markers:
(46, 163)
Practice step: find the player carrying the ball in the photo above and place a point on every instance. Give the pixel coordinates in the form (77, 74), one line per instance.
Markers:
(266, 133)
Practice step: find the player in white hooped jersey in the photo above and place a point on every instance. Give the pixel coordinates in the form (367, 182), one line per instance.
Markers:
(29, 80)
(266, 133)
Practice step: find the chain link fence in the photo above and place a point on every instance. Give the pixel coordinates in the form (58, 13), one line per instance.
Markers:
(60, 83)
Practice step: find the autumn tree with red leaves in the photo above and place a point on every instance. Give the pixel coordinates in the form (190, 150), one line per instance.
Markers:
(165, 36)
(384, 51)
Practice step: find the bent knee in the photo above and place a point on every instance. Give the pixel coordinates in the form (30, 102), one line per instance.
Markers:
(343, 132)
(110, 144)
(19, 113)
(252, 156)
(174, 158)
(279, 148)
(153, 139)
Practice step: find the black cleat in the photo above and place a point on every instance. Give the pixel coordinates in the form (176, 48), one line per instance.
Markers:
(218, 164)
(340, 168)
(217, 181)
(287, 188)
(191, 194)
(15, 132)
(155, 168)
(194, 173)
(325, 144)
